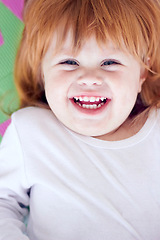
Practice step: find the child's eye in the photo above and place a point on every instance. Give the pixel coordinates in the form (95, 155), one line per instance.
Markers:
(110, 62)
(69, 62)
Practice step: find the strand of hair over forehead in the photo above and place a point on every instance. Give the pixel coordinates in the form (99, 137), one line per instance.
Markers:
(95, 16)
(87, 17)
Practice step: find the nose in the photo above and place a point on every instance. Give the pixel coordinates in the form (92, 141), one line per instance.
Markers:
(89, 79)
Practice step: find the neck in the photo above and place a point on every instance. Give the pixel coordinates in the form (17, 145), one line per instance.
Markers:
(128, 129)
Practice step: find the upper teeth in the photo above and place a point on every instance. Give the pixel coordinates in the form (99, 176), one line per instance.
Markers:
(90, 99)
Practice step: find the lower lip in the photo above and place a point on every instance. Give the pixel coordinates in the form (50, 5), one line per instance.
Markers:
(90, 111)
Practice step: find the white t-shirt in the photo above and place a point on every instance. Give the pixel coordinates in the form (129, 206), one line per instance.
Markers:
(78, 187)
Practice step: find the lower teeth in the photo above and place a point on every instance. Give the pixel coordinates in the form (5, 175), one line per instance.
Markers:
(94, 106)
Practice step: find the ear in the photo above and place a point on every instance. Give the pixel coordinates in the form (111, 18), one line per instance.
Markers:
(142, 80)
(143, 75)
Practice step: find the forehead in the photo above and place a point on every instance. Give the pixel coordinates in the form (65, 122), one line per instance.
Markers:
(66, 45)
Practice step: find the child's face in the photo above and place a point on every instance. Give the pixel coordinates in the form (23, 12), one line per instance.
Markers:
(94, 91)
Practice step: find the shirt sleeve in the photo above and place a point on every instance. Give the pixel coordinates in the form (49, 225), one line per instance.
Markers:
(14, 190)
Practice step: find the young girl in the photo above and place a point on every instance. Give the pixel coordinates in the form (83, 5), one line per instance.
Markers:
(83, 154)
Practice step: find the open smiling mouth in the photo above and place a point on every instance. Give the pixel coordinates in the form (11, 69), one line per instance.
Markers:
(90, 103)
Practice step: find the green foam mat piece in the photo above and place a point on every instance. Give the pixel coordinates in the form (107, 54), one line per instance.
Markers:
(11, 29)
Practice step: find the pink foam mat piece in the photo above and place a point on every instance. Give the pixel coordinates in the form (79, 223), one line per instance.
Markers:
(1, 39)
(3, 126)
(15, 6)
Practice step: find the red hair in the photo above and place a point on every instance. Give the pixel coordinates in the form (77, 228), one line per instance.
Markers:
(133, 23)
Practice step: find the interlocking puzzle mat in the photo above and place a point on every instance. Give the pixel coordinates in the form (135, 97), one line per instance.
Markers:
(11, 27)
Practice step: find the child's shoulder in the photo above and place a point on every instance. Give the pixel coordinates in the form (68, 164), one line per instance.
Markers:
(153, 121)
(33, 116)
(30, 112)
(31, 124)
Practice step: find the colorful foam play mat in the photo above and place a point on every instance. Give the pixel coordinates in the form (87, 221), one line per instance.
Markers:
(11, 27)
